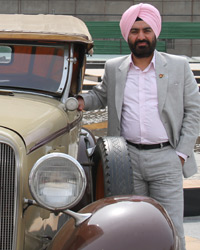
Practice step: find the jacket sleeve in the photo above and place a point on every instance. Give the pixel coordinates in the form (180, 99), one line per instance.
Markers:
(97, 97)
(190, 123)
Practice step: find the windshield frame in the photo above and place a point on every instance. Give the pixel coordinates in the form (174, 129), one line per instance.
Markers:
(64, 75)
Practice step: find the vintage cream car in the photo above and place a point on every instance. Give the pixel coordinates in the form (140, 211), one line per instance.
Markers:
(49, 163)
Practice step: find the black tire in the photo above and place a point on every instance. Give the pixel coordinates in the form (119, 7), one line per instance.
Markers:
(112, 173)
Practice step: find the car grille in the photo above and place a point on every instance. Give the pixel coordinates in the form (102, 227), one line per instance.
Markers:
(7, 196)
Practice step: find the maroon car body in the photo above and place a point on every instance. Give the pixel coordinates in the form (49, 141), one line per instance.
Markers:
(123, 222)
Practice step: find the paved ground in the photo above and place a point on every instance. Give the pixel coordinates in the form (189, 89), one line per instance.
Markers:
(192, 224)
(192, 232)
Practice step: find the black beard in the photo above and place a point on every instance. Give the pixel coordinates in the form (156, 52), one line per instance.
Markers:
(142, 51)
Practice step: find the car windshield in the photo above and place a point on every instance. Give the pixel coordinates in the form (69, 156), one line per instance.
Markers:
(32, 68)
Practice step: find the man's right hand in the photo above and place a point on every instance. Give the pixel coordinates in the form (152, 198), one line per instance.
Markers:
(81, 103)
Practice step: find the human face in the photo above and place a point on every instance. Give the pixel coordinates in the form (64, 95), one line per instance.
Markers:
(141, 40)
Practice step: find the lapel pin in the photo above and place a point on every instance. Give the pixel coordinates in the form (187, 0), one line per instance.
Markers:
(161, 75)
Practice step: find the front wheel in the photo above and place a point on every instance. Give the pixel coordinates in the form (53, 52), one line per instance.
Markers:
(112, 172)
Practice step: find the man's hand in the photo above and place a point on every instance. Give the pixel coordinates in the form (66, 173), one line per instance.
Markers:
(182, 160)
(81, 103)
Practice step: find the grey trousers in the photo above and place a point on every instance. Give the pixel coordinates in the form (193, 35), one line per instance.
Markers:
(158, 174)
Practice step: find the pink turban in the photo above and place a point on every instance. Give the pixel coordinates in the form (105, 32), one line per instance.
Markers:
(148, 13)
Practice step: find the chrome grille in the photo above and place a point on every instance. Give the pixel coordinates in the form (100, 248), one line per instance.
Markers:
(7, 196)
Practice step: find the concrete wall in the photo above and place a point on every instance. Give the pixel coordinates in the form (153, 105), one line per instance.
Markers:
(109, 10)
(98, 10)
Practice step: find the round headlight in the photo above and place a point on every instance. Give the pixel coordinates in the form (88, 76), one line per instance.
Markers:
(57, 181)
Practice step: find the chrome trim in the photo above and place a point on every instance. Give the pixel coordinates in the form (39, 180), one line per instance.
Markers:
(78, 217)
(90, 151)
(72, 59)
(34, 170)
(71, 104)
(17, 187)
(68, 84)
(29, 92)
(65, 72)
(65, 66)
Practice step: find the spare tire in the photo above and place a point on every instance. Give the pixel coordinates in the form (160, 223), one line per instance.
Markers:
(112, 172)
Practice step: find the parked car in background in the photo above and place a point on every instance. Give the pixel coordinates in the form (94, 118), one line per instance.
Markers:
(59, 187)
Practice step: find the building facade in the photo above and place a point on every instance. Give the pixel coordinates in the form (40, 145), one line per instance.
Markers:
(109, 10)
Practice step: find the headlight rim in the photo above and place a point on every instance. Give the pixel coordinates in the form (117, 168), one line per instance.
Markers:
(34, 171)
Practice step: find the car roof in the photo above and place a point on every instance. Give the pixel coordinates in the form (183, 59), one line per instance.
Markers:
(45, 28)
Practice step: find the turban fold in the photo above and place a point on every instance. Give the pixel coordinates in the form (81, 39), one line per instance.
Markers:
(147, 12)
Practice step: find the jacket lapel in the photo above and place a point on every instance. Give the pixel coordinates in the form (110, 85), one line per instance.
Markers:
(162, 78)
(121, 75)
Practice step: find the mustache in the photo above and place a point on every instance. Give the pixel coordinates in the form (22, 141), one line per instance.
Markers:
(142, 41)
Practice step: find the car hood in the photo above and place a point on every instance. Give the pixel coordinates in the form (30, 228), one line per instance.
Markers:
(33, 118)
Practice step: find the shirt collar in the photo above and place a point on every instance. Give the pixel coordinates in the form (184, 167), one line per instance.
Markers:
(153, 61)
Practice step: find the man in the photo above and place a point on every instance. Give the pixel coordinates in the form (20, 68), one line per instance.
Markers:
(153, 102)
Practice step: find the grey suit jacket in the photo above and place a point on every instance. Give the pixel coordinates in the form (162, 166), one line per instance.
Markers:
(178, 101)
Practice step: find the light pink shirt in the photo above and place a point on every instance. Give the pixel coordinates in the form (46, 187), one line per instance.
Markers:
(141, 122)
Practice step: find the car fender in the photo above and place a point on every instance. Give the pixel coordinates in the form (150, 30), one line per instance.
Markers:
(123, 222)
(86, 141)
